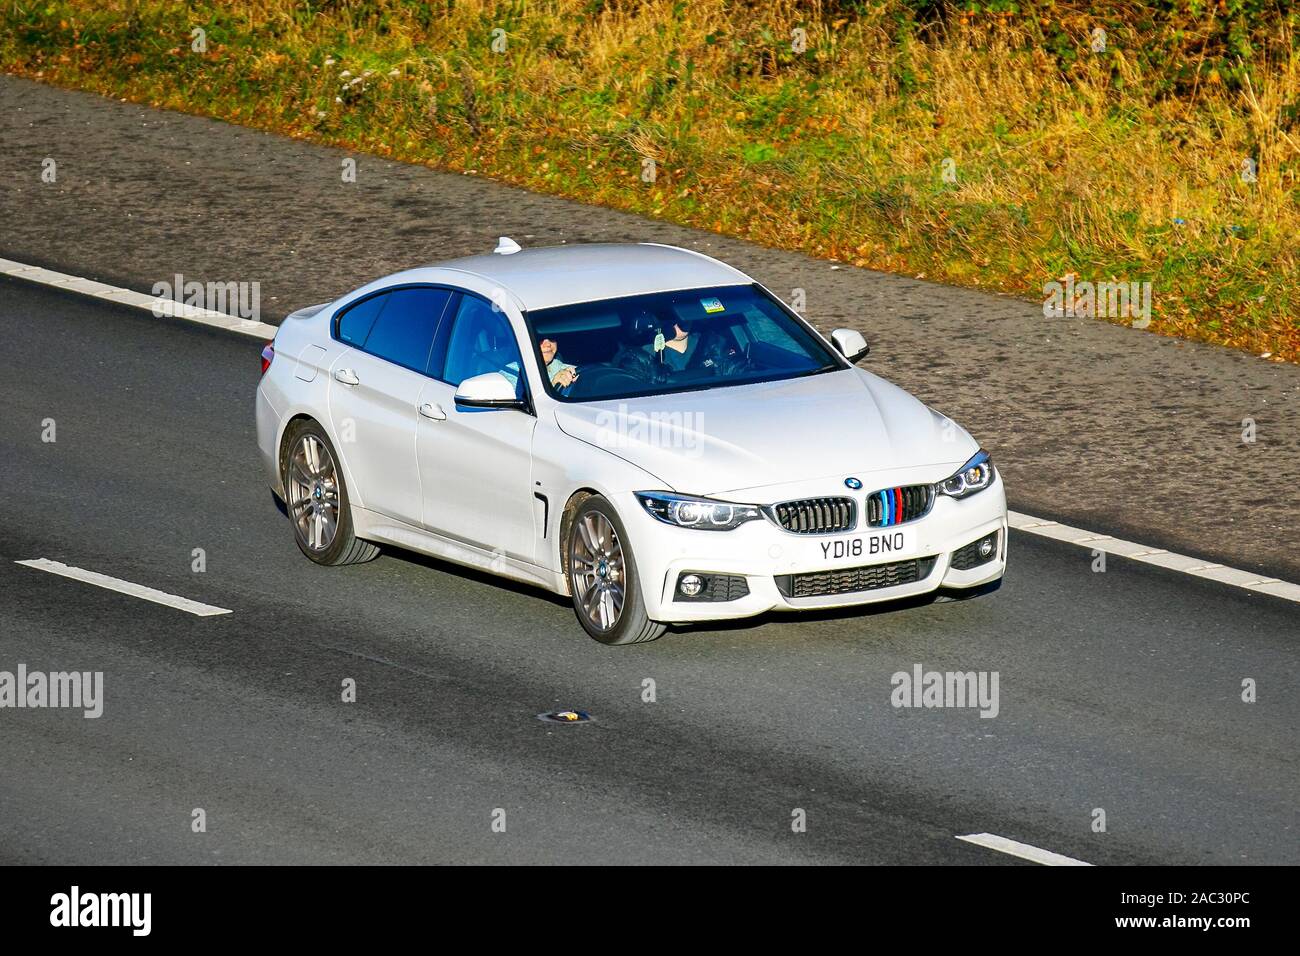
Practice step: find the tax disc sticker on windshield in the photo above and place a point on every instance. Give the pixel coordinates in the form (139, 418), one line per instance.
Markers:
(712, 305)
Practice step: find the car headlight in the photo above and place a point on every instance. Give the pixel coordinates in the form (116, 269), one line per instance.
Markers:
(683, 511)
(976, 475)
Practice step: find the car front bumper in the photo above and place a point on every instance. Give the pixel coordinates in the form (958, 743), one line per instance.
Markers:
(767, 557)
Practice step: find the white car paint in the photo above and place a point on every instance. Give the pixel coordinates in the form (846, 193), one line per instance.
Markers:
(487, 488)
(837, 424)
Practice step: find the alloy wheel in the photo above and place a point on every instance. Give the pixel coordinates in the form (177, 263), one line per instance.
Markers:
(597, 570)
(313, 493)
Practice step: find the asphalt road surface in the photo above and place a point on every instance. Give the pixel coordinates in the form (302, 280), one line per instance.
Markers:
(1119, 691)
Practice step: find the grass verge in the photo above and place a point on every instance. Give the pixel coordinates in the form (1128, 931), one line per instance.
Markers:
(998, 146)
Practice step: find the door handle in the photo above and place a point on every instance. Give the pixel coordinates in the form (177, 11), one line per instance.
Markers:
(435, 412)
(346, 376)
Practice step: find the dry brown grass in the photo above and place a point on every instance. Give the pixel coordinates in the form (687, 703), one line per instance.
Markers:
(1072, 162)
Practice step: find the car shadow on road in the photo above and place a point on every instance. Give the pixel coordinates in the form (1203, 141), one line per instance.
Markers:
(459, 570)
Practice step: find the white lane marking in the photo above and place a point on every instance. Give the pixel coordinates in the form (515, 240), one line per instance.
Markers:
(152, 304)
(1023, 850)
(125, 587)
(1250, 580)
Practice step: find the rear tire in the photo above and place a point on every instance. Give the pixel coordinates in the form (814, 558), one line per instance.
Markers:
(316, 498)
(603, 577)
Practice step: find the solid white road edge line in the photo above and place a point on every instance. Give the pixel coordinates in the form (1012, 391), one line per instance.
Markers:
(1023, 850)
(155, 305)
(1158, 556)
(1021, 522)
(125, 587)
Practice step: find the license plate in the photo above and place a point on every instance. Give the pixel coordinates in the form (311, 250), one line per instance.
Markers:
(876, 547)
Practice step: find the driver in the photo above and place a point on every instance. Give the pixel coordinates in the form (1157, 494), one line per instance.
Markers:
(561, 374)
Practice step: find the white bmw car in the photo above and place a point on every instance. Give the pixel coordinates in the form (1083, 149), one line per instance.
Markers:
(640, 427)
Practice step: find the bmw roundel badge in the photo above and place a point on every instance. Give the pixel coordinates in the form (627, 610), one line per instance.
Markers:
(853, 483)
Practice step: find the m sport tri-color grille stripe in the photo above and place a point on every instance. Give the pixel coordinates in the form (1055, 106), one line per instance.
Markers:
(891, 506)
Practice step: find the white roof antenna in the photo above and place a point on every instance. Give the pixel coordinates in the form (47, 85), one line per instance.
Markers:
(506, 247)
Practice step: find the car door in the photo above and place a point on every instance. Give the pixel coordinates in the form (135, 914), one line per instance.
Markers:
(476, 464)
(375, 394)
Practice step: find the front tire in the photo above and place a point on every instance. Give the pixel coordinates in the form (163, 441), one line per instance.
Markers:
(603, 577)
(316, 498)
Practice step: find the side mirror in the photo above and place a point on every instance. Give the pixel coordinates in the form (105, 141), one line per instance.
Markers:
(850, 343)
(489, 390)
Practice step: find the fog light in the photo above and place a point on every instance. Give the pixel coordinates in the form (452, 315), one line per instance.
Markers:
(978, 552)
(691, 585)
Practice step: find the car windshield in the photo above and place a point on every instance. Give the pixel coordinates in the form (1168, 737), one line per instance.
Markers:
(673, 342)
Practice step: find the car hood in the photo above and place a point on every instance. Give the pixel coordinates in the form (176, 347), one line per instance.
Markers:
(712, 441)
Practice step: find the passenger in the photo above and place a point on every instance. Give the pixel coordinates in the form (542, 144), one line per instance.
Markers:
(676, 352)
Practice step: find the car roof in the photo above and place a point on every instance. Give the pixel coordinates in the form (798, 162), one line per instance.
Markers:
(548, 276)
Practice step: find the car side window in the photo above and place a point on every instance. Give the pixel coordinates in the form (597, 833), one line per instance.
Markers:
(481, 341)
(402, 332)
(355, 324)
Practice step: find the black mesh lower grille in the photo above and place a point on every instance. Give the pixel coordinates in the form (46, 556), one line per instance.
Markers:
(869, 577)
(968, 556)
(717, 588)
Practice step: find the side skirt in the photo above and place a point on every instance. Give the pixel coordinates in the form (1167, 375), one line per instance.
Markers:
(382, 529)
